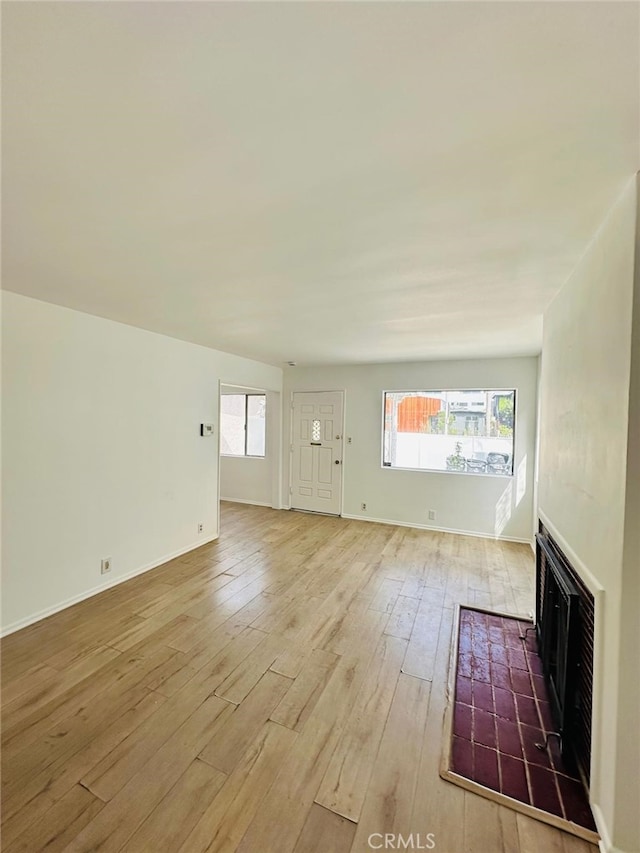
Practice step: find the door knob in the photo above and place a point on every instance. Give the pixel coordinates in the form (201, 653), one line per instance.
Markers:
(337, 462)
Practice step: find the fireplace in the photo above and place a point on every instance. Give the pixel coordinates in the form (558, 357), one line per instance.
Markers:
(564, 628)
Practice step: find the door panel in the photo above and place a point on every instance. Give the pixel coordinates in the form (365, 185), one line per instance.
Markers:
(325, 471)
(306, 464)
(316, 451)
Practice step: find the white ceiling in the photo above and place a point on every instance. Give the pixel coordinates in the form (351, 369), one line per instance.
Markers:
(322, 182)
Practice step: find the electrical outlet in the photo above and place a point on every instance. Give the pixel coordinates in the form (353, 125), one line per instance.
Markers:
(363, 507)
(105, 565)
(432, 515)
(200, 527)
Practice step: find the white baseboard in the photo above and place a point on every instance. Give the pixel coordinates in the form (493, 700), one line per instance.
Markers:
(437, 529)
(244, 501)
(96, 590)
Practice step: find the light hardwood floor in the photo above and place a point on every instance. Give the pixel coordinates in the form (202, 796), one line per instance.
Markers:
(278, 691)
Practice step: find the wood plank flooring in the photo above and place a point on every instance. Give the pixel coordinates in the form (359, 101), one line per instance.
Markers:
(281, 690)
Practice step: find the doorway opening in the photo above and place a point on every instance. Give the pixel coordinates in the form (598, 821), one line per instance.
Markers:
(250, 445)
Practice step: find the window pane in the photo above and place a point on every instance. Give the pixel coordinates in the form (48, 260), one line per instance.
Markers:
(256, 432)
(232, 424)
(463, 431)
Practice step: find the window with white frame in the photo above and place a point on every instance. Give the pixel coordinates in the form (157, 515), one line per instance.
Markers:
(463, 431)
(243, 424)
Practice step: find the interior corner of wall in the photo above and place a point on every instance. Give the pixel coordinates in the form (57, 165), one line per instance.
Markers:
(605, 844)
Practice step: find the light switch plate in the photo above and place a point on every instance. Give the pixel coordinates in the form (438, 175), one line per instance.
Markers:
(206, 429)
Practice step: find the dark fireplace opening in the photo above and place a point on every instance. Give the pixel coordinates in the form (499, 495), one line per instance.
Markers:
(564, 628)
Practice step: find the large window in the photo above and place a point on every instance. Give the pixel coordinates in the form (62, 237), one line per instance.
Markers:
(467, 432)
(242, 424)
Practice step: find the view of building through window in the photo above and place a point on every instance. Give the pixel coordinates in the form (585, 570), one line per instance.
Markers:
(242, 424)
(464, 431)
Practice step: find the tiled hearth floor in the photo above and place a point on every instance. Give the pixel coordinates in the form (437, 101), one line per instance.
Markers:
(501, 711)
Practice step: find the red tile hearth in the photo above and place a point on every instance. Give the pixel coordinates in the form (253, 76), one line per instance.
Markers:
(501, 712)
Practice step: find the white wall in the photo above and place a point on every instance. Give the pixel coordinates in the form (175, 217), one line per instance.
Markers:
(101, 451)
(246, 479)
(250, 479)
(585, 381)
(478, 504)
(628, 749)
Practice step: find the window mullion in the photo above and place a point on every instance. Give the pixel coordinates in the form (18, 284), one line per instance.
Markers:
(246, 423)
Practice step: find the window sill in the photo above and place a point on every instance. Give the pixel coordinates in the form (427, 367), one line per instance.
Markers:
(240, 456)
(441, 471)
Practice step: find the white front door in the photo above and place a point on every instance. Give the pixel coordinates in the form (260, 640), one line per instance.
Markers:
(316, 451)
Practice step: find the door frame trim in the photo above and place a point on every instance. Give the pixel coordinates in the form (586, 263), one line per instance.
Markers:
(342, 392)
